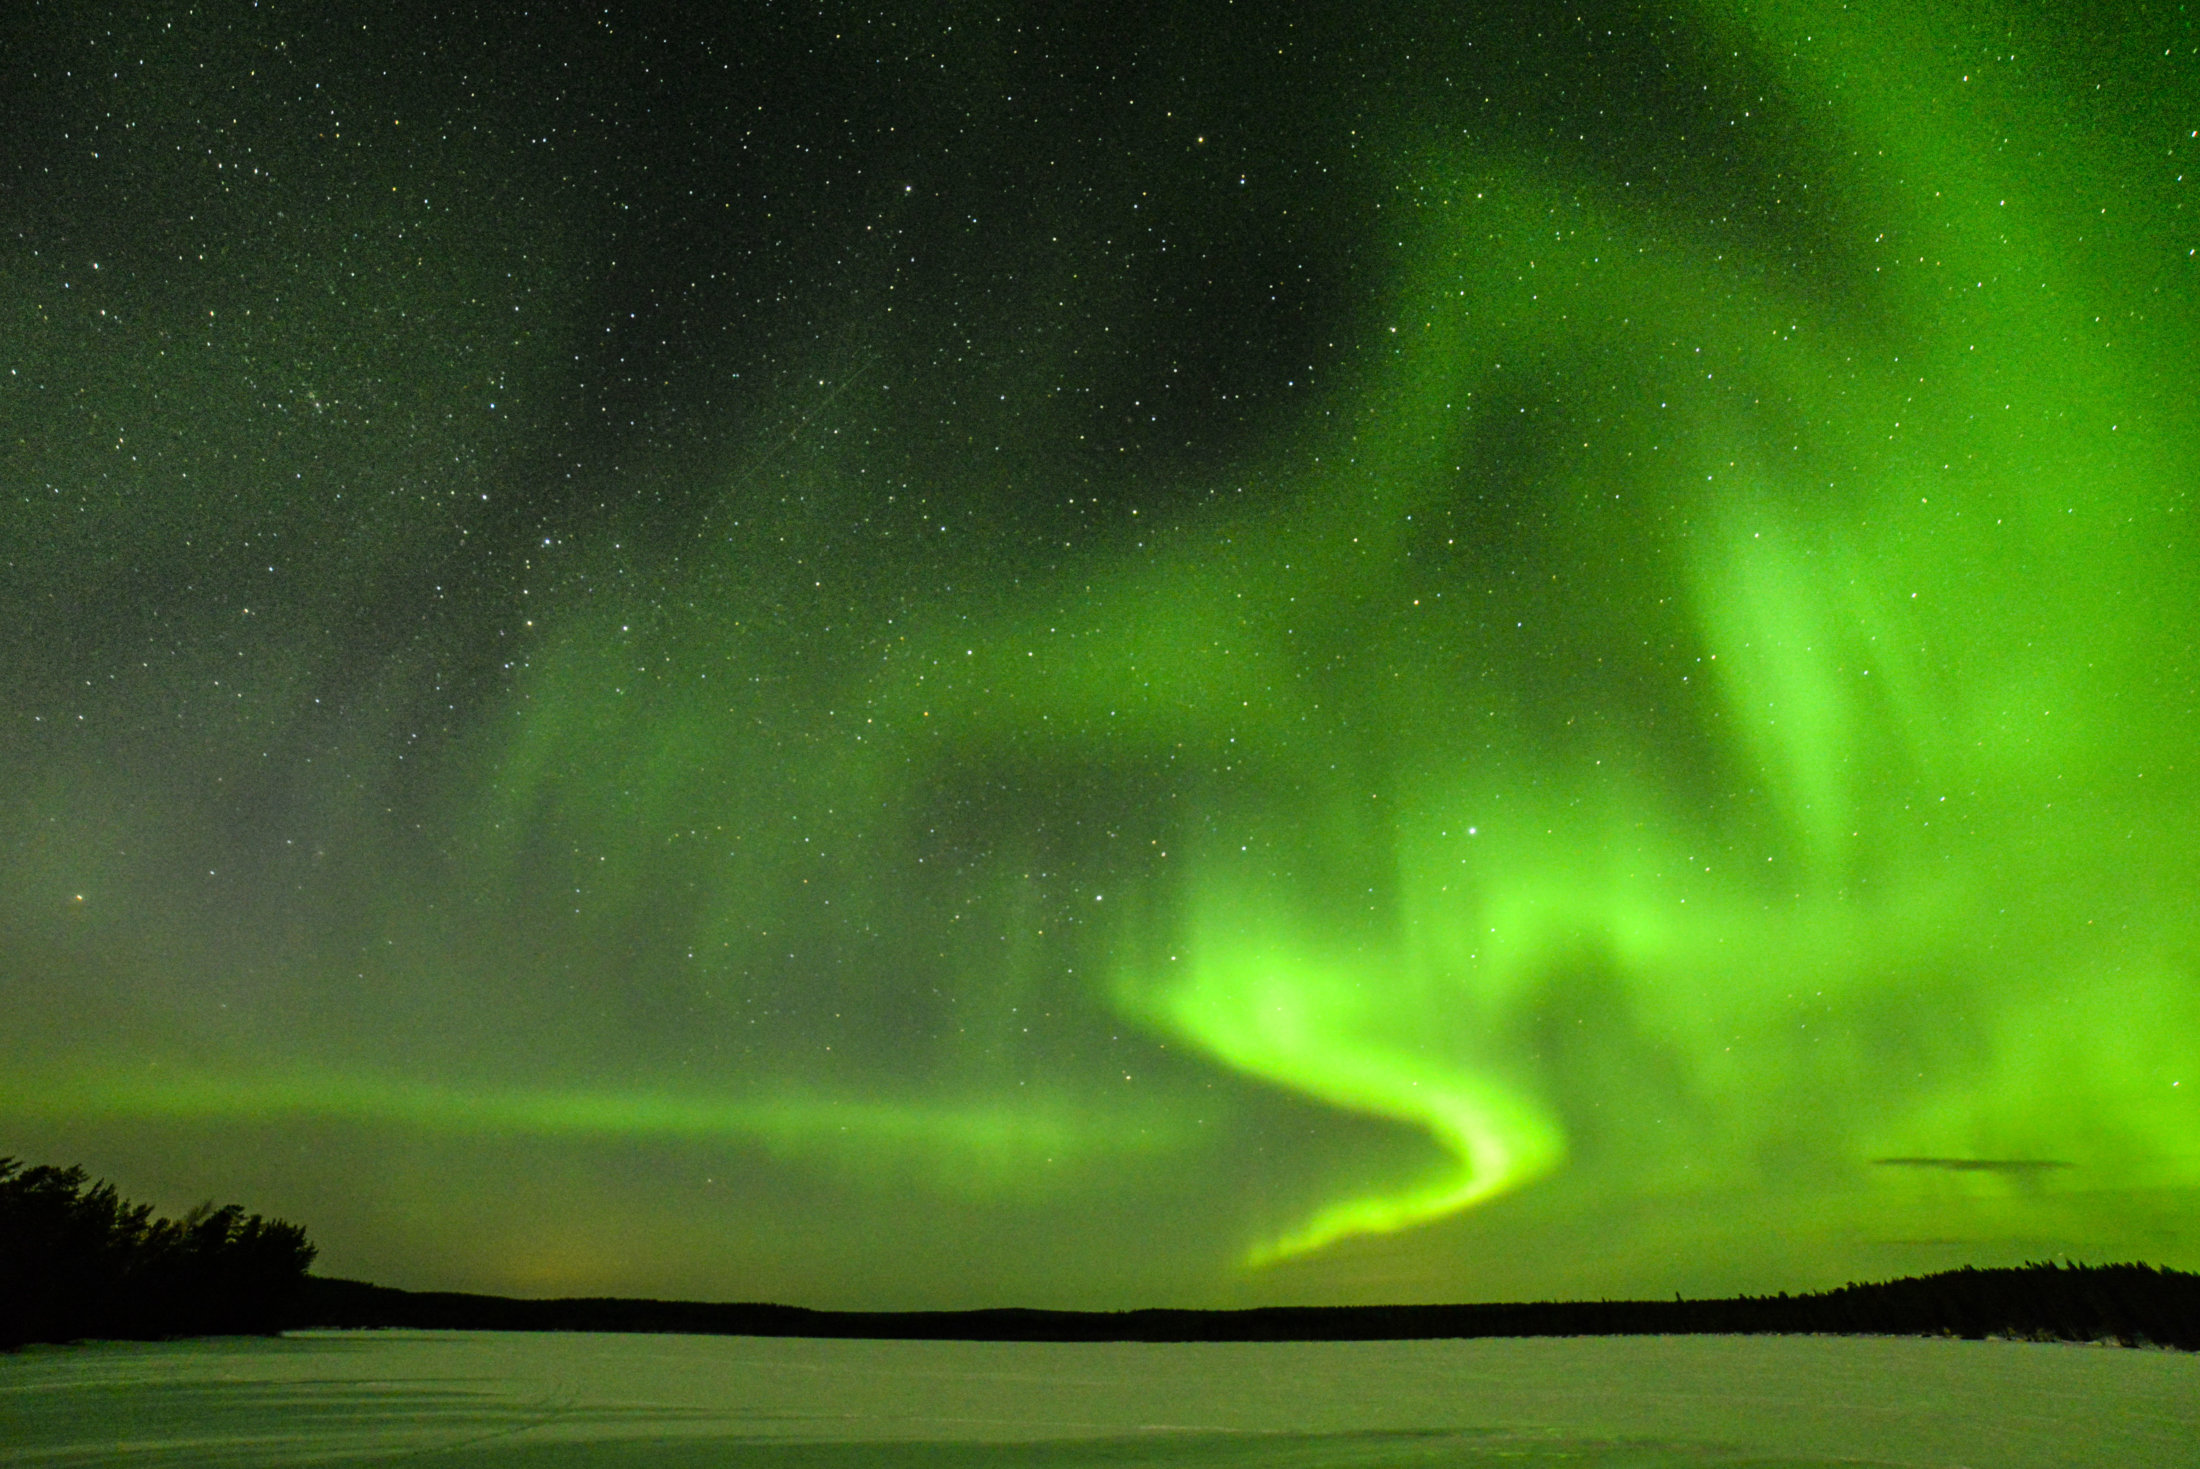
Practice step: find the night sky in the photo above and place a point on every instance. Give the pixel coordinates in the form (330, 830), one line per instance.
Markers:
(1108, 655)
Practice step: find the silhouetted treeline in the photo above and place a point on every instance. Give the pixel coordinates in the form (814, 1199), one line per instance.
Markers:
(77, 1260)
(2131, 1304)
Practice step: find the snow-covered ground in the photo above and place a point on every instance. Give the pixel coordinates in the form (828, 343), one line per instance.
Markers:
(550, 1401)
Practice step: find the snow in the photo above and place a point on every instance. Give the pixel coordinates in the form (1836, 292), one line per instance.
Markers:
(558, 1401)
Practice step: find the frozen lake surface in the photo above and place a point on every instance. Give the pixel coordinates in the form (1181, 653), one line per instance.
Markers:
(549, 1401)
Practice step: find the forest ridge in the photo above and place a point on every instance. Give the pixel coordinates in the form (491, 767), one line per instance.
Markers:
(77, 1261)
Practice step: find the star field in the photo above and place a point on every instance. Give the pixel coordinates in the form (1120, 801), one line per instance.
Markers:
(898, 656)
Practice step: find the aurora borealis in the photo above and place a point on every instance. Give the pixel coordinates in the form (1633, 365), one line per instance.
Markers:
(1109, 656)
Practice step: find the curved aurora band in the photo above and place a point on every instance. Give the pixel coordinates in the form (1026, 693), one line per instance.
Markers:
(1777, 819)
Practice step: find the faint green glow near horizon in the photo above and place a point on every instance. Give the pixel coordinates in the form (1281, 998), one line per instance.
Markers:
(985, 1141)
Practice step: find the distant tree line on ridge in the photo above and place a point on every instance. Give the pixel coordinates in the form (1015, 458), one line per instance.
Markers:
(2133, 1305)
(77, 1260)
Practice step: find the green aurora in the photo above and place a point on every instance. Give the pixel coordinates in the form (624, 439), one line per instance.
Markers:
(1662, 760)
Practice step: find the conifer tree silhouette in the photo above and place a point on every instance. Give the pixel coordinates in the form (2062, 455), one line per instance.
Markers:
(77, 1260)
